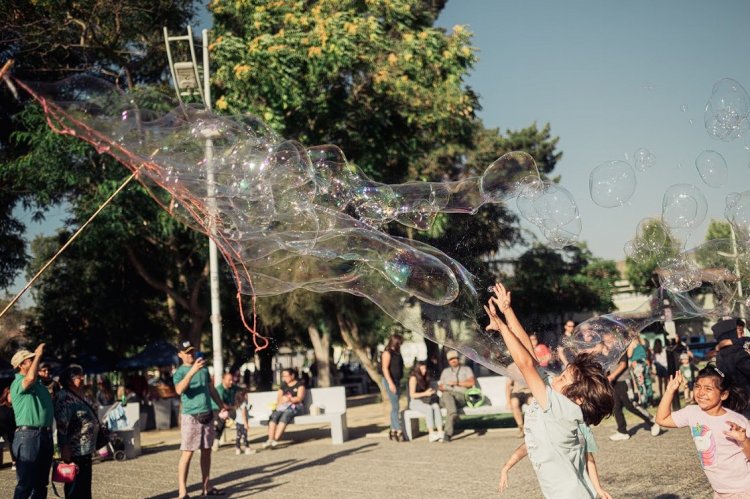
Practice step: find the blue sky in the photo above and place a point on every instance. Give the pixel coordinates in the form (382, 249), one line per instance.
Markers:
(611, 77)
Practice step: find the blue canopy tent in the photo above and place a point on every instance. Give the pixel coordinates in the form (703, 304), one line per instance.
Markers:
(157, 354)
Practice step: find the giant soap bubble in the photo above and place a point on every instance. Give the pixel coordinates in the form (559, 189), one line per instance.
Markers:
(726, 114)
(612, 184)
(289, 217)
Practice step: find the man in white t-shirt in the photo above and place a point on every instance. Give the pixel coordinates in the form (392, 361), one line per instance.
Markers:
(454, 381)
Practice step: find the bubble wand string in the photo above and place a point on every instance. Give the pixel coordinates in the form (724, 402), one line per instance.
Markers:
(68, 243)
(57, 121)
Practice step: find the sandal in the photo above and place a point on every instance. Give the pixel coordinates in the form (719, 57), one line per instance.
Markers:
(213, 492)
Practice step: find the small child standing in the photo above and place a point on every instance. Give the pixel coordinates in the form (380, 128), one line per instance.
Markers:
(720, 433)
(241, 425)
(687, 370)
(562, 404)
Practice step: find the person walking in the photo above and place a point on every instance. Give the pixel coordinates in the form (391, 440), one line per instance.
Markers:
(618, 377)
(227, 393)
(77, 428)
(32, 442)
(193, 384)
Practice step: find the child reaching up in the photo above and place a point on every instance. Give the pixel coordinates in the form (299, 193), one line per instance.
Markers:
(719, 432)
(581, 394)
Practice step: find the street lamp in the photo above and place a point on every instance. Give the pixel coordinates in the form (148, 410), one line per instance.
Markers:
(185, 77)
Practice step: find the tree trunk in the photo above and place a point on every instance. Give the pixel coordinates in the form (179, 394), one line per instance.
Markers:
(350, 334)
(321, 344)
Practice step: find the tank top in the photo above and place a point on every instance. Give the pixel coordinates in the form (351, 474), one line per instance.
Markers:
(396, 366)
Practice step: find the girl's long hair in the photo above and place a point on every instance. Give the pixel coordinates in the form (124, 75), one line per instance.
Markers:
(423, 381)
(737, 400)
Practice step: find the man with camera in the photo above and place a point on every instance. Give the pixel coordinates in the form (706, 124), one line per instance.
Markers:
(193, 384)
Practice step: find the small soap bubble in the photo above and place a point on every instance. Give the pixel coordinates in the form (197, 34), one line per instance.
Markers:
(643, 159)
(684, 206)
(712, 168)
(684, 108)
(612, 184)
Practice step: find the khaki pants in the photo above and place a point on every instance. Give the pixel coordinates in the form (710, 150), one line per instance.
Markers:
(452, 401)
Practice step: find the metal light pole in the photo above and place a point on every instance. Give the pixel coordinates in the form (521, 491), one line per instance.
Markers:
(185, 78)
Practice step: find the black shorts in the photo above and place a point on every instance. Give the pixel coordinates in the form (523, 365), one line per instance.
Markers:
(521, 396)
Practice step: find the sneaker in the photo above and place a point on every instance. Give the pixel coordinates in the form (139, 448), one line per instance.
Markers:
(274, 443)
(434, 437)
(619, 436)
(215, 446)
(655, 430)
(237, 452)
(268, 443)
(446, 439)
(249, 451)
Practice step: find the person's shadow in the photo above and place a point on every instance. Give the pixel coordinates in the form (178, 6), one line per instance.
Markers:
(258, 478)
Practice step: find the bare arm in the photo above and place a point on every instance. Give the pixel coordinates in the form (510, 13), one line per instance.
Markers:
(413, 393)
(514, 458)
(594, 476)
(503, 302)
(664, 411)
(32, 374)
(521, 356)
(619, 369)
(185, 382)
(386, 360)
(739, 434)
(216, 397)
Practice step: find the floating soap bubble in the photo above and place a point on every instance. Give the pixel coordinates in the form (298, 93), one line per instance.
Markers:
(550, 207)
(643, 159)
(712, 168)
(737, 212)
(287, 217)
(683, 207)
(612, 184)
(726, 113)
(651, 238)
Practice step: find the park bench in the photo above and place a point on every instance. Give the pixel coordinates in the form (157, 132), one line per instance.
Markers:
(493, 389)
(330, 401)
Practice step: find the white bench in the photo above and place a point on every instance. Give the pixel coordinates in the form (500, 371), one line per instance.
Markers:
(493, 389)
(332, 401)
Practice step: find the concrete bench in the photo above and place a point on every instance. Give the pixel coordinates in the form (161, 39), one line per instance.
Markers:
(493, 389)
(332, 402)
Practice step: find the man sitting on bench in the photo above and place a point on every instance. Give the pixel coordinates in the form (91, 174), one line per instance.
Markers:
(454, 381)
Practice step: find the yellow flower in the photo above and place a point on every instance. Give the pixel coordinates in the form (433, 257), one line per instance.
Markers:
(408, 37)
(221, 103)
(392, 59)
(351, 28)
(314, 52)
(458, 29)
(240, 70)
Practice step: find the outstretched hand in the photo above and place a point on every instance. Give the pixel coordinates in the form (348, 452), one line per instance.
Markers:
(502, 296)
(503, 481)
(495, 322)
(675, 382)
(736, 432)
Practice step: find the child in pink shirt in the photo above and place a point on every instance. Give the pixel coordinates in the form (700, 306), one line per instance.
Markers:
(720, 433)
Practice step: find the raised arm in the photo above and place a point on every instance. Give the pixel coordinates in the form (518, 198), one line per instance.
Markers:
(31, 375)
(521, 356)
(664, 411)
(503, 303)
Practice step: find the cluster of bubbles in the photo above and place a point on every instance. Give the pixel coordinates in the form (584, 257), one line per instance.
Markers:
(726, 113)
(289, 217)
(613, 183)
